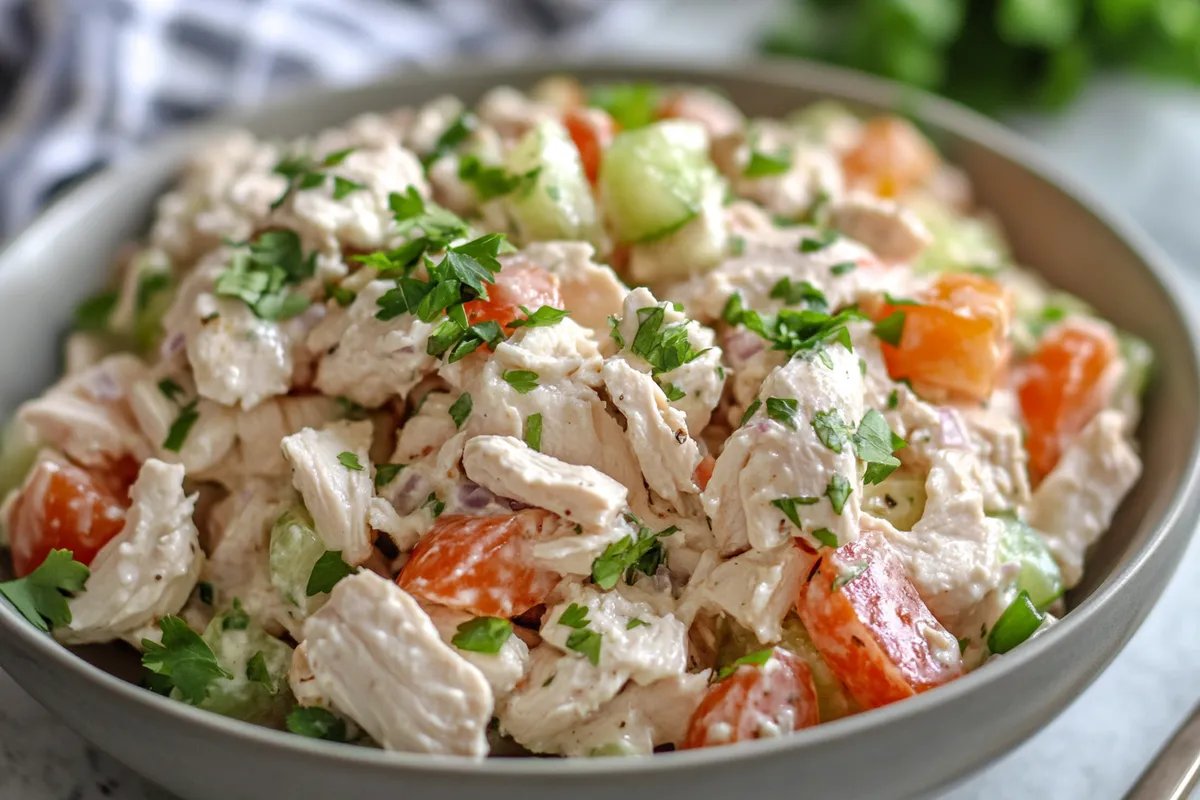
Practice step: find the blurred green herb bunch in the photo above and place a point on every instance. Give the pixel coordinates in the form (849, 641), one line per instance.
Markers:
(993, 54)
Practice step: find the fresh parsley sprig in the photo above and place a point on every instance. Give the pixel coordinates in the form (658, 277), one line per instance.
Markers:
(304, 173)
(183, 661)
(42, 595)
(641, 553)
(260, 275)
(664, 347)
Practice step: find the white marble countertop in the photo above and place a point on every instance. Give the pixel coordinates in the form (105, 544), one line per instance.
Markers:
(1134, 145)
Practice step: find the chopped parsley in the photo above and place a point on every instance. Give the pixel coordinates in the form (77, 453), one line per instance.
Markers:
(93, 313)
(461, 409)
(672, 392)
(614, 330)
(664, 348)
(181, 427)
(205, 591)
(491, 181)
(257, 672)
(844, 577)
(636, 622)
(483, 635)
(533, 431)
(170, 389)
(875, 443)
(783, 410)
(756, 659)
(316, 723)
(788, 506)
(843, 267)
(523, 380)
(586, 643)
(632, 554)
(303, 173)
(329, 569)
(434, 504)
(762, 165)
(183, 661)
(260, 275)
(350, 461)
(544, 316)
(576, 616)
(838, 491)
(825, 537)
(794, 293)
(819, 242)
(41, 596)
(796, 330)
(963, 644)
(631, 105)
(386, 473)
(236, 618)
(890, 329)
(343, 297)
(451, 336)
(898, 301)
(734, 309)
(831, 429)
(893, 399)
(750, 409)
(455, 134)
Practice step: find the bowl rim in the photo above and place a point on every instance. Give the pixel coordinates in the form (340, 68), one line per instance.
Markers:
(822, 79)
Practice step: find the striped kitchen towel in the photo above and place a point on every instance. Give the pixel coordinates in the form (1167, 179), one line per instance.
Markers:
(82, 82)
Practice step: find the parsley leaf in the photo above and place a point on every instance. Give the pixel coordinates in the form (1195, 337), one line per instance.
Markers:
(890, 329)
(820, 242)
(181, 427)
(750, 409)
(329, 569)
(664, 348)
(631, 105)
(788, 506)
(795, 293)
(490, 181)
(533, 431)
(344, 186)
(843, 268)
(587, 643)
(184, 658)
(825, 537)
(259, 276)
(756, 659)
(386, 473)
(783, 410)
(461, 409)
(256, 671)
(455, 134)
(614, 330)
(343, 297)
(763, 165)
(545, 315)
(41, 596)
(236, 618)
(523, 380)
(316, 723)
(641, 553)
(434, 504)
(893, 399)
(672, 392)
(856, 569)
(635, 623)
(734, 309)
(898, 301)
(576, 616)
(350, 461)
(838, 491)
(482, 635)
(831, 429)
(170, 389)
(875, 443)
(93, 313)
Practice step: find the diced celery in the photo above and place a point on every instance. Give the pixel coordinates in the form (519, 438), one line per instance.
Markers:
(834, 701)
(555, 202)
(900, 499)
(258, 691)
(653, 179)
(618, 748)
(295, 548)
(1039, 575)
(960, 243)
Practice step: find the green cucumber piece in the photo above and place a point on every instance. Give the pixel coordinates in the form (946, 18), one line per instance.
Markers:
(1039, 575)
(257, 693)
(653, 179)
(833, 700)
(555, 201)
(295, 548)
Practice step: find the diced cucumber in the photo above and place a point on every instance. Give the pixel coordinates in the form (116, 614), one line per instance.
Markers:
(295, 548)
(1039, 575)
(696, 247)
(900, 499)
(653, 179)
(556, 200)
(832, 698)
(960, 243)
(258, 691)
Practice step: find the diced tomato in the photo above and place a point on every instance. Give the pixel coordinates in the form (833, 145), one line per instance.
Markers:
(704, 471)
(891, 158)
(64, 507)
(955, 341)
(874, 631)
(592, 130)
(480, 565)
(519, 283)
(1062, 387)
(755, 701)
